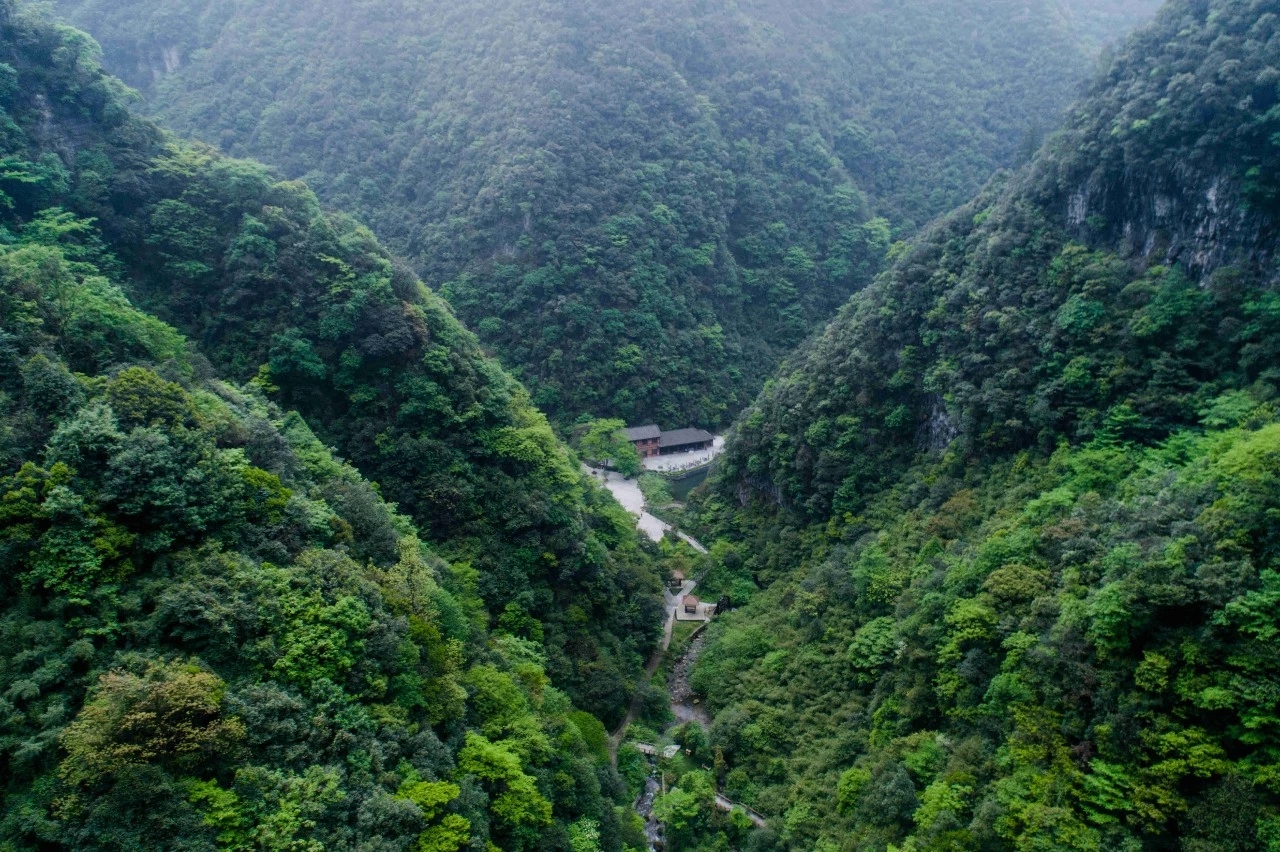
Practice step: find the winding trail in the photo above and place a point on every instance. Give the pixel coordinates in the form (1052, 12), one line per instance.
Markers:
(655, 661)
(628, 493)
(683, 706)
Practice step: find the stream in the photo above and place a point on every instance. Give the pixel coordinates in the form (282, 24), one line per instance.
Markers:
(685, 707)
(644, 807)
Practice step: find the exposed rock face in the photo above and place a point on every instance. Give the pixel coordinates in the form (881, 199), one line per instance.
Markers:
(1011, 324)
(1194, 218)
(1166, 160)
(938, 431)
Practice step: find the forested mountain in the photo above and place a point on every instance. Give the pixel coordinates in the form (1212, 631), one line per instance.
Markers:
(641, 207)
(214, 632)
(1106, 24)
(1010, 527)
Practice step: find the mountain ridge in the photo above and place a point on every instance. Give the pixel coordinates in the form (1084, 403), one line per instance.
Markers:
(640, 208)
(215, 633)
(1002, 538)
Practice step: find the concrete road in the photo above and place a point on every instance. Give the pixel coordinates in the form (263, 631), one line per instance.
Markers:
(628, 493)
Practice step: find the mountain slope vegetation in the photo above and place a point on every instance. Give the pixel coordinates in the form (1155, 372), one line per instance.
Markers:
(215, 633)
(641, 207)
(1007, 530)
(308, 306)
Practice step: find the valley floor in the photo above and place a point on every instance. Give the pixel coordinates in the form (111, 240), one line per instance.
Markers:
(627, 492)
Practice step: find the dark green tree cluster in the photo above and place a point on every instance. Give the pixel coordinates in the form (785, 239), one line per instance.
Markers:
(310, 308)
(1120, 284)
(642, 207)
(1072, 653)
(214, 635)
(1009, 527)
(214, 632)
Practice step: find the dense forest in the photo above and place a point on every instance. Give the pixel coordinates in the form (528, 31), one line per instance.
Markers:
(640, 207)
(1008, 532)
(290, 563)
(215, 632)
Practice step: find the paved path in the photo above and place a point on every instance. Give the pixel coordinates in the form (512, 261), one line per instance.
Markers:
(666, 633)
(725, 804)
(691, 541)
(672, 601)
(628, 493)
(677, 462)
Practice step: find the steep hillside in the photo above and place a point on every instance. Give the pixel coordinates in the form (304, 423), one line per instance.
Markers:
(1120, 276)
(1007, 531)
(641, 207)
(308, 308)
(214, 633)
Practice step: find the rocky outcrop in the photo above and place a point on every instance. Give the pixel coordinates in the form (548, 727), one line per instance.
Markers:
(1194, 218)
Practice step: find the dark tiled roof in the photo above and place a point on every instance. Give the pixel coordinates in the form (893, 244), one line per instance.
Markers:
(642, 433)
(681, 437)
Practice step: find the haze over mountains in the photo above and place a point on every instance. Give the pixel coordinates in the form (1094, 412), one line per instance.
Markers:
(641, 207)
(289, 562)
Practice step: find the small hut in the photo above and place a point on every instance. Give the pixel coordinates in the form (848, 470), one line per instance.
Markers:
(691, 604)
(677, 579)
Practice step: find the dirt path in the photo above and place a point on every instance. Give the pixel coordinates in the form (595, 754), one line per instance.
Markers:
(726, 804)
(685, 706)
(650, 669)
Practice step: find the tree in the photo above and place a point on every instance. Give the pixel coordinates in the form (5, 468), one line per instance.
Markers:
(517, 804)
(172, 716)
(603, 442)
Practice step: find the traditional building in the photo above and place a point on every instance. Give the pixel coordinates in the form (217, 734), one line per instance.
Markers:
(647, 440)
(651, 441)
(691, 604)
(685, 441)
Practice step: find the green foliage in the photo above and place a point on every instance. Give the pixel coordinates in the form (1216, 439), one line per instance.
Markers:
(1019, 321)
(214, 633)
(172, 715)
(602, 442)
(517, 804)
(452, 831)
(656, 490)
(1090, 692)
(268, 810)
(1014, 513)
(853, 782)
(642, 206)
(312, 310)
